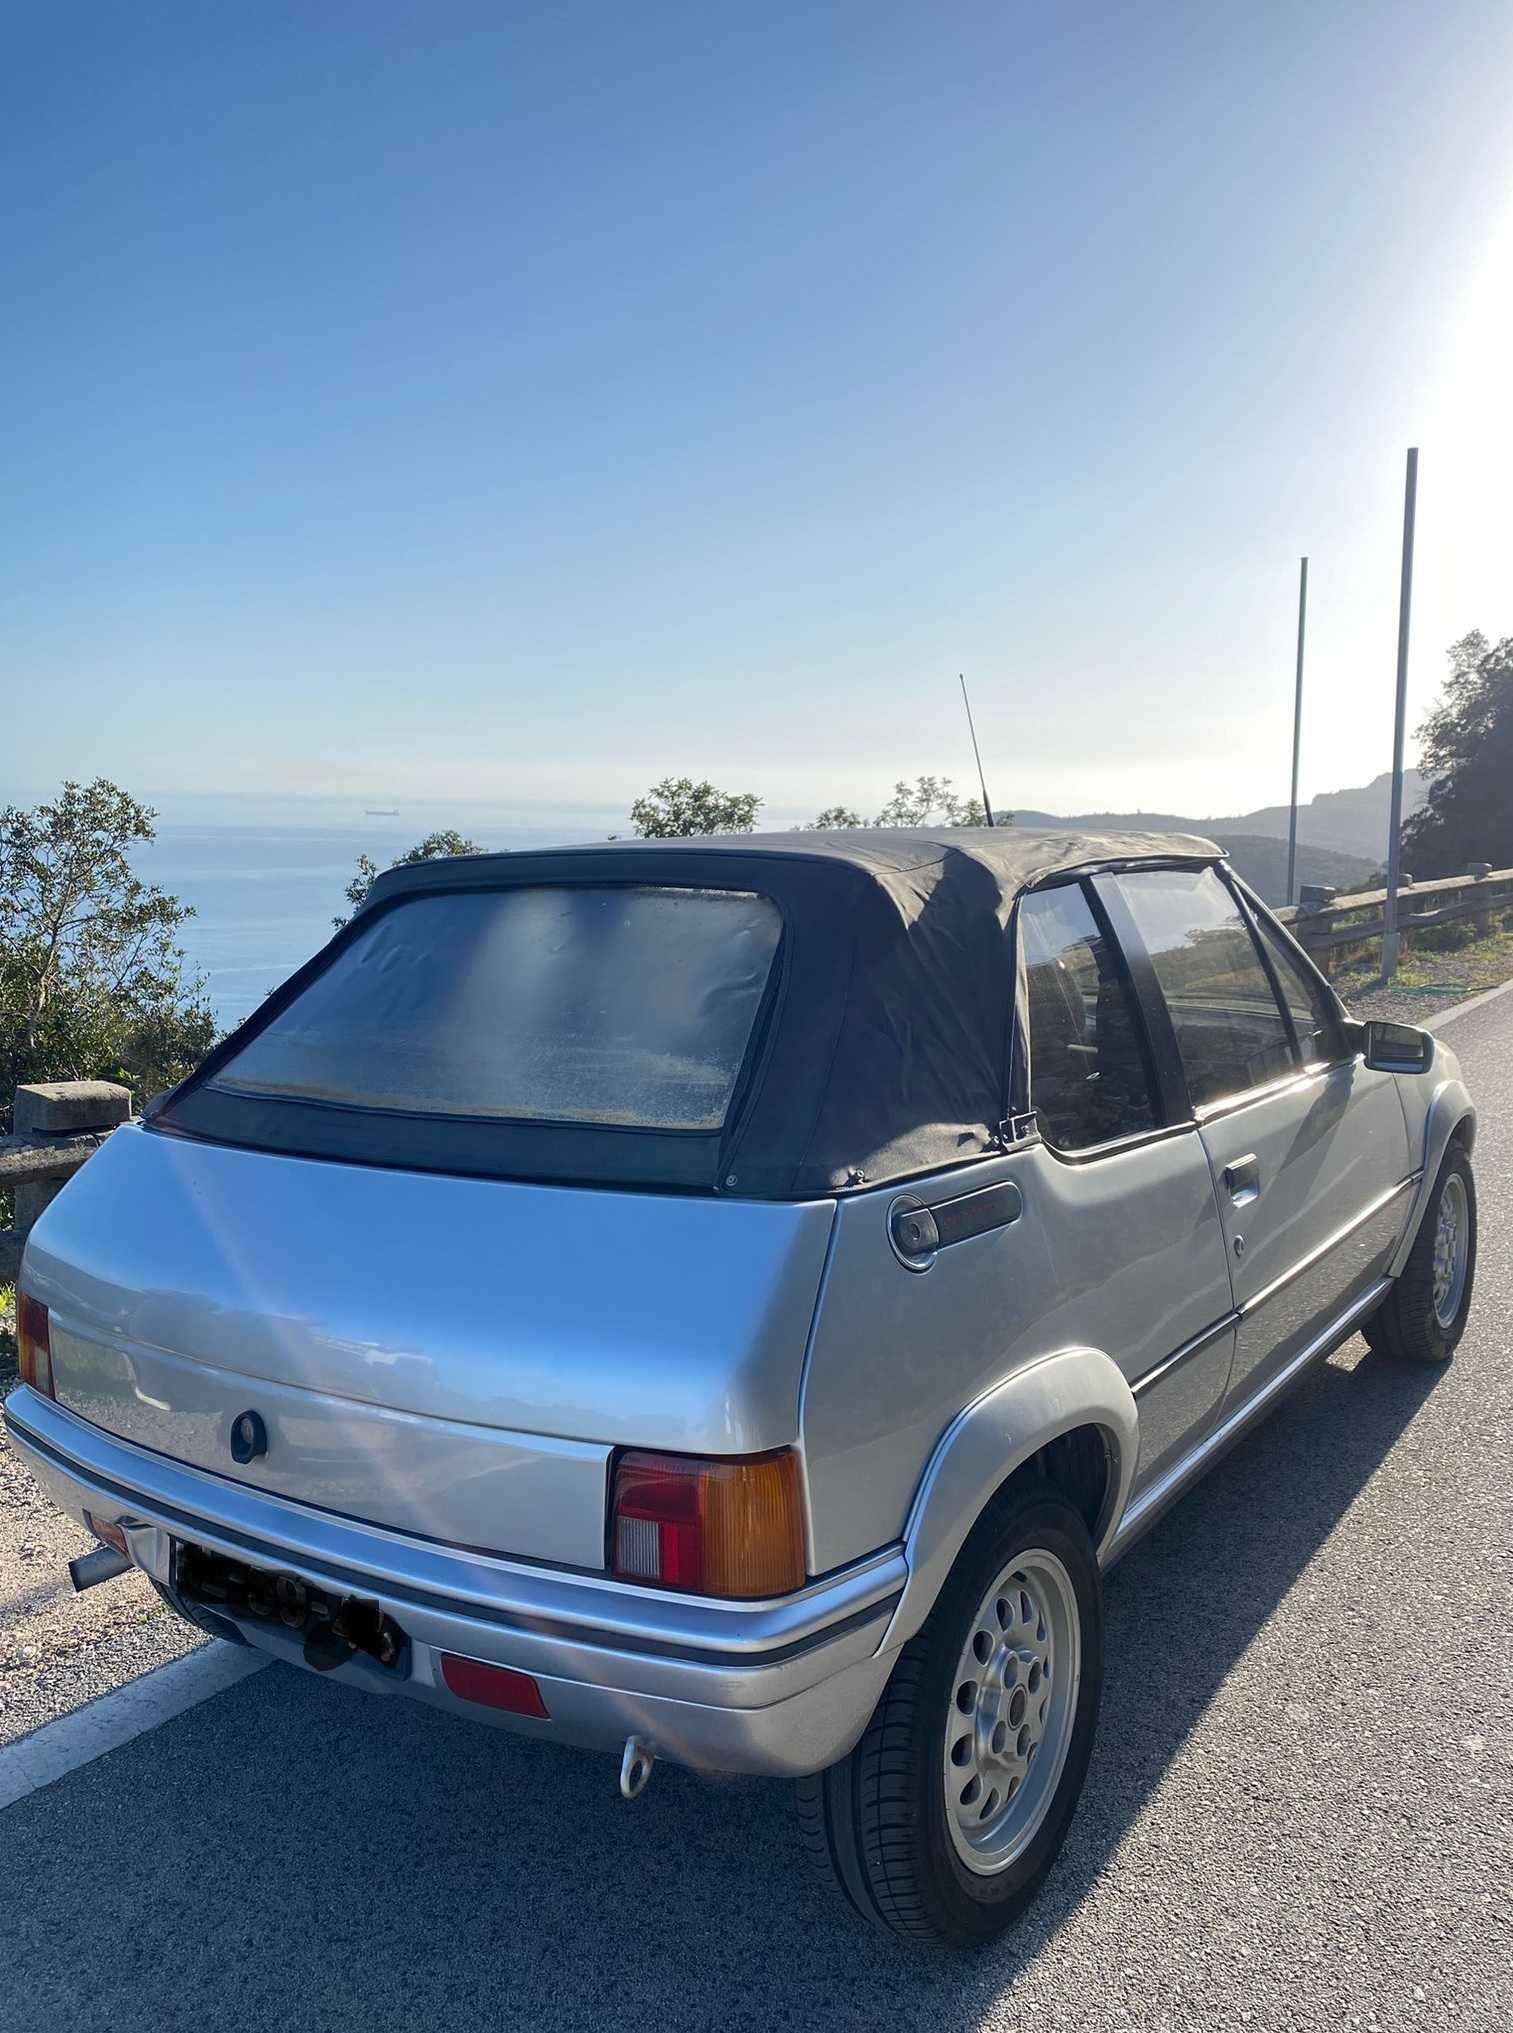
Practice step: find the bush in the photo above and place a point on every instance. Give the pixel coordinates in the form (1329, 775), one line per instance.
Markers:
(93, 983)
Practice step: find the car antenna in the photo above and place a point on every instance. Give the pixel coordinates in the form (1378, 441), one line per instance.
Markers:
(987, 802)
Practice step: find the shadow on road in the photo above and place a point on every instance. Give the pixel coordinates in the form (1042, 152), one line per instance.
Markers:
(293, 1854)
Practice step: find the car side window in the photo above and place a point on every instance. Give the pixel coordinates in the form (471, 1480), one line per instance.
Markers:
(1230, 1030)
(1314, 1016)
(1089, 1081)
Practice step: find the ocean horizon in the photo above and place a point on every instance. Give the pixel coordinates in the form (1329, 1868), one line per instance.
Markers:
(264, 896)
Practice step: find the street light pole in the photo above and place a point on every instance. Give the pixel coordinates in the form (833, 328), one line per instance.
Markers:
(1297, 736)
(1395, 823)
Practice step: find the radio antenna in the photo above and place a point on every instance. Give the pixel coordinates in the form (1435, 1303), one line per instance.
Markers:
(987, 802)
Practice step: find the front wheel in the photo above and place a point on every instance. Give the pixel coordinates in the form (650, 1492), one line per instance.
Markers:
(1425, 1313)
(943, 1822)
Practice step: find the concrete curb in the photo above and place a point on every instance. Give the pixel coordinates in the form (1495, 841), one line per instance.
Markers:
(1460, 1009)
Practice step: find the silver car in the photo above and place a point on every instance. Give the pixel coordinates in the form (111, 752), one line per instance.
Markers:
(729, 1300)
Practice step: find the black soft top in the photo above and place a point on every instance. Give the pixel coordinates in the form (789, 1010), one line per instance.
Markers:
(883, 1051)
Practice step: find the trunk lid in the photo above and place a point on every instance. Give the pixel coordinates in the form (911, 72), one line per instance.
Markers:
(449, 1356)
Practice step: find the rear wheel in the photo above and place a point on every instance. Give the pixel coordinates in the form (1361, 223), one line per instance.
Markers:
(943, 1822)
(1425, 1314)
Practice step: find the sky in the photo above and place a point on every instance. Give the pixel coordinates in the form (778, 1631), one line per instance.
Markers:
(521, 403)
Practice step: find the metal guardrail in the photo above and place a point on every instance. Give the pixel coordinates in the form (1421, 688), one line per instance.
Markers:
(1330, 930)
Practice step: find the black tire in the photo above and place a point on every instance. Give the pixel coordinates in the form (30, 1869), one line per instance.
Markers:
(876, 1823)
(1407, 1325)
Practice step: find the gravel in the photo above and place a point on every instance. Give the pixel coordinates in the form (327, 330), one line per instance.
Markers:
(58, 1649)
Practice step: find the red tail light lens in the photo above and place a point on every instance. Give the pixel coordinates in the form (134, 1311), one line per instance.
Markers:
(34, 1352)
(731, 1528)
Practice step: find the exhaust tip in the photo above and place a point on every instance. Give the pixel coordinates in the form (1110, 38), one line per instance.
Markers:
(90, 1569)
(635, 1767)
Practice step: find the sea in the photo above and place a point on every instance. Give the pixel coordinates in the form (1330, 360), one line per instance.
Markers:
(264, 896)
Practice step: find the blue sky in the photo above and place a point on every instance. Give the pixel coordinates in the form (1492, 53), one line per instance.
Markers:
(521, 403)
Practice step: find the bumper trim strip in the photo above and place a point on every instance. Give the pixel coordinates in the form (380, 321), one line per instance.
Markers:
(332, 1573)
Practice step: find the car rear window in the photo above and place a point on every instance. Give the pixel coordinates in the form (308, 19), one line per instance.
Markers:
(615, 1006)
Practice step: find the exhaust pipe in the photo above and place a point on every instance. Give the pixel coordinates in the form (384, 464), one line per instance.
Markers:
(635, 1767)
(90, 1569)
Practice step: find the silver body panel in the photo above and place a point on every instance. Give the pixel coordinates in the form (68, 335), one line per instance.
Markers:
(1314, 1222)
(446, 1366)
(191, 1281)
(1122, 1254)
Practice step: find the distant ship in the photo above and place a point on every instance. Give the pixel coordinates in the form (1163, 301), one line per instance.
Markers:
(374, 813)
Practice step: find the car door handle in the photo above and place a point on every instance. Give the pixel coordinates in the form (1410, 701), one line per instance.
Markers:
(1242, 1179)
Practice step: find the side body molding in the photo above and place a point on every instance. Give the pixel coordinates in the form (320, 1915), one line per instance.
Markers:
(1436, 1104)
(984, 1445)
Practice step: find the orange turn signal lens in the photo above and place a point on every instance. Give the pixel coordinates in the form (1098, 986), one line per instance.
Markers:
(34, 1353)
(731, 1528)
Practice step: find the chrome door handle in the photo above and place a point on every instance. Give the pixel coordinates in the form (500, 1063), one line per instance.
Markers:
(1242, 1179)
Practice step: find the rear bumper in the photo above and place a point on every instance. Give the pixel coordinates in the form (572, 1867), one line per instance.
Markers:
(782, 1687)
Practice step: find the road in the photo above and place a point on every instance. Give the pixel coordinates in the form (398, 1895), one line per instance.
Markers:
(1299, 1814)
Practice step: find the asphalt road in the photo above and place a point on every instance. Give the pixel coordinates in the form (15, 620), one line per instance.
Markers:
(1300, 1810)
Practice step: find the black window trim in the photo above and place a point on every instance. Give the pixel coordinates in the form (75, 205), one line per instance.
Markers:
(1158, 1016)
(1022, 1058)
(1260, 914)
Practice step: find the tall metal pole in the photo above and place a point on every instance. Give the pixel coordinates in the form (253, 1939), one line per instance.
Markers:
(1297, 737)
(987, 803)
(1395, 823)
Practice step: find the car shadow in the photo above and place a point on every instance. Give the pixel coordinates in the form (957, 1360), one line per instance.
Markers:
(331, 1859)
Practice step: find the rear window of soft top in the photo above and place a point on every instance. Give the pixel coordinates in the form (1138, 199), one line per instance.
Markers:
(627, 1007)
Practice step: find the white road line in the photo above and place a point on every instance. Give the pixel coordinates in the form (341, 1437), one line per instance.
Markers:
(1460, 1009)
(60, 1747)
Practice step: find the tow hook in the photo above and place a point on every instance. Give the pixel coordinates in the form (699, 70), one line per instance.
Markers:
(635, 1767)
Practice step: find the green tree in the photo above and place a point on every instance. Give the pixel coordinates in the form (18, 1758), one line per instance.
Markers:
(834, 818)
(434, 847)
(93, 982)
(1466, 751)
(679, 809)
(929, 801)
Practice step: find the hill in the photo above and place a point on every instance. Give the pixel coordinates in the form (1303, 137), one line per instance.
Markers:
(1263, 863)
(1352, 823)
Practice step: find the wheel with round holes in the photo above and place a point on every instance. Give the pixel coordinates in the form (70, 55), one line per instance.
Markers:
(1425, 1313)
(943, 1822)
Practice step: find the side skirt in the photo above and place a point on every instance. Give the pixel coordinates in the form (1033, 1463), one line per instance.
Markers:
(1140, 1515)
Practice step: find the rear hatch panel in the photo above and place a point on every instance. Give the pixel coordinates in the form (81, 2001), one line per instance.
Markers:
(452, 1357)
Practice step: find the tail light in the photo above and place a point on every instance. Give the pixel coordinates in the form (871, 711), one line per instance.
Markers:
(733, 1528)
(34, 1353)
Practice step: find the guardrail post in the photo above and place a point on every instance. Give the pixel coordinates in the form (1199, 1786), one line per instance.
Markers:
(52, 1108)
(1481, 916)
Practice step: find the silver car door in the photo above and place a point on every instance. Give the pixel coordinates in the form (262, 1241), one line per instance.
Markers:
(1095, 1089)
(1308, 1149)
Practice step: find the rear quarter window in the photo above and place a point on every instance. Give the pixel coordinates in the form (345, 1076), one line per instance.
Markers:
(623, 1006)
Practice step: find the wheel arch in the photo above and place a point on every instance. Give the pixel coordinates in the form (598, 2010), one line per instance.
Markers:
(1052, 1414)
(1447, 1115)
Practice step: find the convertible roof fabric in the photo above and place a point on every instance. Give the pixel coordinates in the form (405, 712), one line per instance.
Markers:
(884, 1052)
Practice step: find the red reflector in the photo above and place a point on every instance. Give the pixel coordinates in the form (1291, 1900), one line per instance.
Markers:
(494, 1686)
